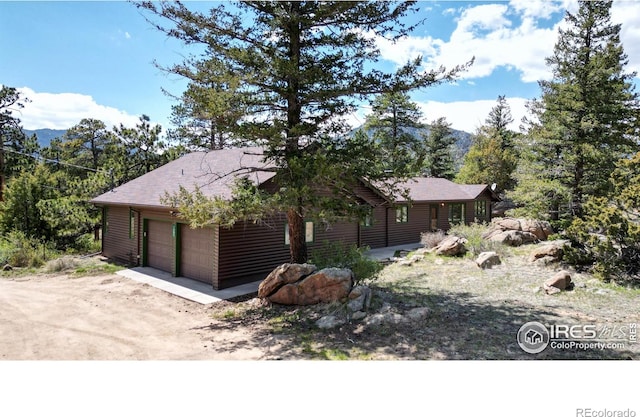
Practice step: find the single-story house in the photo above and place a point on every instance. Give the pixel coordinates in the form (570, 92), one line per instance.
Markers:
(138, 229)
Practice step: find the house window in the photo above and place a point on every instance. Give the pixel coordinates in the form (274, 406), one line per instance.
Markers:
(309, 233)
(132, 224)
(481, 209)
(402, 214)
(456, 213)
(367, 220)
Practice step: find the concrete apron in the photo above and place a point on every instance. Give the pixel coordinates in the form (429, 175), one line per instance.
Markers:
(187, 288)
(203, 293)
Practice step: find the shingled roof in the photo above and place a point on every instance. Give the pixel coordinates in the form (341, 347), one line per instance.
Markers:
(428, 189)
(213, 172)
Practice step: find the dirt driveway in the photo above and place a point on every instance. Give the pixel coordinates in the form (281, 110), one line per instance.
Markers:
(108, 317)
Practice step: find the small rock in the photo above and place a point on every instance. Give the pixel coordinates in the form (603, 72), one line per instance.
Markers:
(418, 313)
(560, 281)
(486, 260)
(358, 315)
(359, 298)
(329, 322)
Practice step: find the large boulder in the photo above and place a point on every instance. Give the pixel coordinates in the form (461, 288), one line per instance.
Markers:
(324, 286)
(283, 275)
(513, 237)
(451, 246)
(516, 232)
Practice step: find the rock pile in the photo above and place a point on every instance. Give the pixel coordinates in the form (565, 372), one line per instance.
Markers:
(516, 232)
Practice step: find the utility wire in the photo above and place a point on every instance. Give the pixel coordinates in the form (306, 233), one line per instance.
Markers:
(42, 158)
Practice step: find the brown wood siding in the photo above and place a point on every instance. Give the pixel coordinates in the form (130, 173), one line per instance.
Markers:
(248, 252)
(160, 249)
(375, 236)
(116, 243)
(197, 253)
(401, 233)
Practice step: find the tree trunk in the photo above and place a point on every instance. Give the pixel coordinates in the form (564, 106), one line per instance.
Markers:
(297, 241)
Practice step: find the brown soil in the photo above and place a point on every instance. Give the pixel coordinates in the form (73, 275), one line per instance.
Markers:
(475, 314)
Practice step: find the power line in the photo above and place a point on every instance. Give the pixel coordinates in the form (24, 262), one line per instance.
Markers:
(42, 158)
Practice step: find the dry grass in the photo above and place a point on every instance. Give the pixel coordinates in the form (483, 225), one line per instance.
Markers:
(475, 314)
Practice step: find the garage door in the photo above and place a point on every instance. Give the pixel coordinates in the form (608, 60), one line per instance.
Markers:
(159, 245)
(197, 256)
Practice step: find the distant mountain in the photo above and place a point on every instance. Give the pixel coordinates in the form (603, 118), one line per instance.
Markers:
(45, 136)
(460, 147)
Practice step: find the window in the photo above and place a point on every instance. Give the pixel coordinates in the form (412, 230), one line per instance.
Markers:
(402, 214)
(132, 224)
(309, 234)
(456, 213)
(481, 209)
(367, 220)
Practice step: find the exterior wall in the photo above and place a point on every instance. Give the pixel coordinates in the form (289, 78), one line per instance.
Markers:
(375, 236)
(248, 252)
(116, 241)
(409, 232)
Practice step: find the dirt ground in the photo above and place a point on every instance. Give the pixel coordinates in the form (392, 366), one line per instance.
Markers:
(108, 317)
(473, 314)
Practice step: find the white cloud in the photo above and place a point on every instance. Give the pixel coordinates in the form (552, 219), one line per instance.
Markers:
(490, 33)
(470, 115)
(64, 110)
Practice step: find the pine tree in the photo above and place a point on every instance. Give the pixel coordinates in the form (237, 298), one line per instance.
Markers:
(586, 119)
(394, 123)
(303, 66)
(439, 143)
(211, 107)
(491, 157)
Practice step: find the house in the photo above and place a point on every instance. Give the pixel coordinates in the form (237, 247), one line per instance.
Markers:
(138, 229)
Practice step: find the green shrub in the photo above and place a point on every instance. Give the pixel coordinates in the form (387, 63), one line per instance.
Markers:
(339, 255)
(475, 243)
(20, 251)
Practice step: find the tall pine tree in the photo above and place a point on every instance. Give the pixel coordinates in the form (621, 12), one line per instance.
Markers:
(303, 66)
(439, 143)
(394, 123)
(586, 119)
(491, 157)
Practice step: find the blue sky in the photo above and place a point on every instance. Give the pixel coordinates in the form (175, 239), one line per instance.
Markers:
(95, 59)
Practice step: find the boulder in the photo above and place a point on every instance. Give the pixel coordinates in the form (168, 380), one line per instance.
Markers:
(530, 230)
(324, 286)
(486, 260)
(541, 229)
(559, 282)
(359, 298)
(451, 246)
(282, 275)
(513, 237)
(551, 252)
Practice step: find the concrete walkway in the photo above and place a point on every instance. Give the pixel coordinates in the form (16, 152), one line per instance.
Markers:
(184, 287)
(389, 252)
(204, 294)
